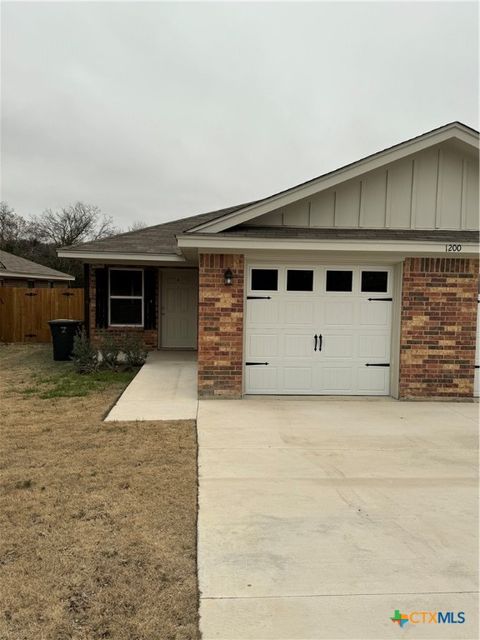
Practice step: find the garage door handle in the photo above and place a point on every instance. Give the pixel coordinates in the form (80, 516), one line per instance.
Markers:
(315, 347)
(320, 338)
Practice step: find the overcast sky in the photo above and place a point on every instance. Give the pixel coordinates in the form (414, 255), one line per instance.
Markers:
(153, 111)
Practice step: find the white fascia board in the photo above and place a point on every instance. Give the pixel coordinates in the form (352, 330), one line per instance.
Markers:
(29, 276)
(405, 247)
(336, 177)
(105, 256)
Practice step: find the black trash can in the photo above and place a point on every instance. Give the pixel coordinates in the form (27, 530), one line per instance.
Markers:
(63, 332)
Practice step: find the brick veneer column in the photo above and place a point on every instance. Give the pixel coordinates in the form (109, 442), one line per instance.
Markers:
(438, 327)
(220, 326)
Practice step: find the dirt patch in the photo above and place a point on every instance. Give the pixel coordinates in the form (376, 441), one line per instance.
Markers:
(97, 520)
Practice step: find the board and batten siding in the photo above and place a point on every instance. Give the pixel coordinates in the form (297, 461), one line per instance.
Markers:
(434, 189)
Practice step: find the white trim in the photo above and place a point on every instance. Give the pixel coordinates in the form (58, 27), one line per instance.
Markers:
(28, 276)
(405, 247)
(110, 298)
(454, 130)
(106, 256)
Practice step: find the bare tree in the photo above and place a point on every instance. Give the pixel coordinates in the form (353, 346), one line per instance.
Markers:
(13, 228)
(136, 226)
(72, 225)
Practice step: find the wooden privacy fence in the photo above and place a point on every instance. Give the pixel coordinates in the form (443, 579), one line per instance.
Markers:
(24, 313)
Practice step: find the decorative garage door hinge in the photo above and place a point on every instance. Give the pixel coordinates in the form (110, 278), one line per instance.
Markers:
(31, 294)
(30, 335)
(67, 293)
(377, 364)
(380, 299)
(255, 364)
(259, 297)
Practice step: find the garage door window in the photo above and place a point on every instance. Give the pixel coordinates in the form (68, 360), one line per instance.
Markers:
(264, 280)
(299, 280)
(339, 281)
(374, 281)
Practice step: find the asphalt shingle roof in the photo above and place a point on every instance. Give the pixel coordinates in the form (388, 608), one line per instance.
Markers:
(10, 263)
(158, 239)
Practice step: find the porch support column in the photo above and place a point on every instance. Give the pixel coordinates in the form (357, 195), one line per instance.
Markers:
(220, 326)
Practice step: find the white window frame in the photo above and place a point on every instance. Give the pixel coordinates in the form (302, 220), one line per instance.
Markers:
(294, 291)
(110, 297)
(378, 293)
(268, 268)
(341, 267)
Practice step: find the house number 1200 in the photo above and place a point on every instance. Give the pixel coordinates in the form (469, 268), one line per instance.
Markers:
(453, 247)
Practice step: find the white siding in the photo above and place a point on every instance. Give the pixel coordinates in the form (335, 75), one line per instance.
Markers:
(347, 204)
(470, 201)
(399, 195)
(450, 178)
(322, 209)
(372, 206)
(434, 189)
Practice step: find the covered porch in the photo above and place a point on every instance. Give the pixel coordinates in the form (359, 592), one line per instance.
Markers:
(157, 303)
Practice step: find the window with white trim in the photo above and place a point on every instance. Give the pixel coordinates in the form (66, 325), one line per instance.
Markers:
(125, 304)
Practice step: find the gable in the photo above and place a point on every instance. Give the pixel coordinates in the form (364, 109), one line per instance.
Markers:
(358, 188)
(434, 189)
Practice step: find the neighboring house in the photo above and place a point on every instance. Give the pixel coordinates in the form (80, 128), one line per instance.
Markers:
(19, 272)
(363, 281)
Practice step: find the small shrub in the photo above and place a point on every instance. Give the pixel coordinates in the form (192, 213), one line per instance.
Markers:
(84, 356)
(109, 349)
(134, 351)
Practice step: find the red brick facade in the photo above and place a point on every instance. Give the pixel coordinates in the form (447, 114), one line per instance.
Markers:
(150, 336)
(438, 327)
(220, 328)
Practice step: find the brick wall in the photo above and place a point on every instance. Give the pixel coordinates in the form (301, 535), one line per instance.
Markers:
(150, 336)
(220, 328)
(438, 327)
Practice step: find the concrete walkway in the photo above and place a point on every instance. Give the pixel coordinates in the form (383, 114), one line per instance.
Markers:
(319, 518)
(165, 388)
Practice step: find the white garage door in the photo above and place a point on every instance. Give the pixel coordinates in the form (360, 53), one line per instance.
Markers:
(318, 330)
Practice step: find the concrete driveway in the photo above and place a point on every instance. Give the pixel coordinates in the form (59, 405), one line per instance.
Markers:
(321, 517)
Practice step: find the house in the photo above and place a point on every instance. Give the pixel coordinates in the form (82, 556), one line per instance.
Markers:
(363, 281)
(19, 272)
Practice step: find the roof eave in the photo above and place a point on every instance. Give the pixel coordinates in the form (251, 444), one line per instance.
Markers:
(31, 276)
(106, 256)
(217, 243)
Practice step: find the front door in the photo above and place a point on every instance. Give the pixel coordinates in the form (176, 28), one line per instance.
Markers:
(179, 304)
(318, 330)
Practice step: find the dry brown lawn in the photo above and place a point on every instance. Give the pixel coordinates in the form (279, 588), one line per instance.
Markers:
(97, 520)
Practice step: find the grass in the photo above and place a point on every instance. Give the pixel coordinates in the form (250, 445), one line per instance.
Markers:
(67, 383)
(97, 520)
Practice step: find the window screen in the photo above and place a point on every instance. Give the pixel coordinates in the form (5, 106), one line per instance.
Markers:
(264, 280)
(339, 280)
(375, 281)
(126, 297)
(125, 283)
(299, 280)
(126, 311)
